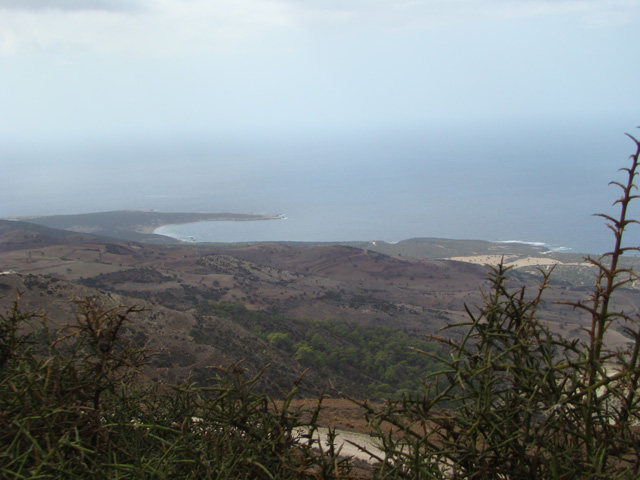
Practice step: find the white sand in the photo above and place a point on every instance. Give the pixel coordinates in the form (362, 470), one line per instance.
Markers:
(513, 261)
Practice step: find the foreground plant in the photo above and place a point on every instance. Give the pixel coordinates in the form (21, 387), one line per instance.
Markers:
(74, 405)
(516, 401)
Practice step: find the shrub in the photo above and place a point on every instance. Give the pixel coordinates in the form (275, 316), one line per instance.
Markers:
(519, 402)
(74, 405)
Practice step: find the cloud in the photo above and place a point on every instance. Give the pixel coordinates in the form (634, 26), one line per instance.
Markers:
(427, 13)
(70, 5)
(161, 27)
(168, 27)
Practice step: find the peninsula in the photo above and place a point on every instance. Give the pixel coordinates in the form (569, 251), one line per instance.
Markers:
(135, 225)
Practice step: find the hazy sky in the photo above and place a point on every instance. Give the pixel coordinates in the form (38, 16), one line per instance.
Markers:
(74, 69)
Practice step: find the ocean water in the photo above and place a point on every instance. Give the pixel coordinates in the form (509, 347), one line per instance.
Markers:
(528, 182)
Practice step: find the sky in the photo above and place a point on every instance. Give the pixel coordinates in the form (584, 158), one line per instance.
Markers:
(74, 70)
(453, 116)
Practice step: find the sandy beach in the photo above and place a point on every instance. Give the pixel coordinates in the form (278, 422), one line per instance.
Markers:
(513, 261)
(204, 217)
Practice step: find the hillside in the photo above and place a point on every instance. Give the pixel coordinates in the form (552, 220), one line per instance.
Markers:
(348, 314)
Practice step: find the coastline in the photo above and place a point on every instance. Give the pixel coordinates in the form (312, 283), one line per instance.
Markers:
(136, 225)
(226, 217)
(213, 217)
(158, 231)
(158, 227)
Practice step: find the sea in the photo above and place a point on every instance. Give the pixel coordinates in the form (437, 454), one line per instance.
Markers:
(530, 181)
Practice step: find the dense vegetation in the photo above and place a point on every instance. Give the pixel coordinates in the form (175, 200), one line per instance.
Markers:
(511, 400)
(382, 361)
(74, 406)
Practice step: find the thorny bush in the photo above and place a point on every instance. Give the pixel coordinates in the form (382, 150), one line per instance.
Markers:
(74, 405)
(516, 401)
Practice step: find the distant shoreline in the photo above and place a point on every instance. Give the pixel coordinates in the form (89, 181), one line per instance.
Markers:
(154, 226)
(214, 217)
(137, 225)
(155, 230)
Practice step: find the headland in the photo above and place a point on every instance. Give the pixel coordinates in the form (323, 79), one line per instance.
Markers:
(136, 225)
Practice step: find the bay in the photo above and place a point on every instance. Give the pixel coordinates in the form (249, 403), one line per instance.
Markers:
(529, 182)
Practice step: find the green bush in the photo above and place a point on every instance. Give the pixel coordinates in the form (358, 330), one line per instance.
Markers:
(74, 405)
(516, 401)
